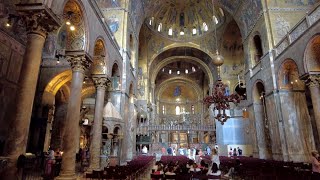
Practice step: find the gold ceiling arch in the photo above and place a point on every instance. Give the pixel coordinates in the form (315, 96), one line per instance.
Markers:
(163, 86)
(179, 45)
(171, 59)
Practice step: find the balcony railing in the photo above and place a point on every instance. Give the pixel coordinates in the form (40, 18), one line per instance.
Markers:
(177, 127)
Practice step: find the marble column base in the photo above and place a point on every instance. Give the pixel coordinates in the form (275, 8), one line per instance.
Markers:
(10, 173)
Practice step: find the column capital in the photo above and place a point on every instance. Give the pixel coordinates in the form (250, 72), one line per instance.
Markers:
(78, 62)
(38, 20)
(313, 81)
(100, 82)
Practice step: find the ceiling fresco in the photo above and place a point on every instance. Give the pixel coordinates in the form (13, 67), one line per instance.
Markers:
(179, 20)
(178, 91)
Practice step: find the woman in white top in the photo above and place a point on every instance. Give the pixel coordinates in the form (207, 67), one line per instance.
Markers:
(214, 171)
(215, 157)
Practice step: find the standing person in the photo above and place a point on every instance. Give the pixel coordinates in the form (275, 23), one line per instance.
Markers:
(315, 165)
(230, 152)
(215, 157)
(239, 151)
(49, 164)
(169, 150)
(208, 150)
(163, 150)
(234, 152)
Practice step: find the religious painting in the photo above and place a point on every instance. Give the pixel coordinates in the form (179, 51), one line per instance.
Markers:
(288, 75)
(13, 73)
(4, 58)
(250, 13)
(113, 23)
(141, 85)
(49, 46)
(230, 5)
(177, 91)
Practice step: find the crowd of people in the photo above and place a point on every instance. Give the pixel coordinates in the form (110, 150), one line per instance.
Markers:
(235, 152)
(191, 167)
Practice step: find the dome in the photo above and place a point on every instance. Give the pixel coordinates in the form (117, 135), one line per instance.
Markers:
(181, 20)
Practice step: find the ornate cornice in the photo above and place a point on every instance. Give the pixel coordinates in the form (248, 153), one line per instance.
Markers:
(100, 82)
(78, 62)
(313, 81)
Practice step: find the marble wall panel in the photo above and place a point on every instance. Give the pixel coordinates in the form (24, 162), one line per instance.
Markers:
(297, 124)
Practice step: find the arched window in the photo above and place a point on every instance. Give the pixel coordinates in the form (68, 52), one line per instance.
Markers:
(177, 110)
(170, 32)
(160, 27)
(205, 26)
(151, 21)
(258, 48)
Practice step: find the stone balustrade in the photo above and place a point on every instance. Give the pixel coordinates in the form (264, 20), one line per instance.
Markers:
(311, 18)
(178, 127)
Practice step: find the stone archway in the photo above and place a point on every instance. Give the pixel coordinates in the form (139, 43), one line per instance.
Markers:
(312, 55)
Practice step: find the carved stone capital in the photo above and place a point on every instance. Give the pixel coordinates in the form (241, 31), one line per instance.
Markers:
(313, 81)
(100, 82)
(39, 22)
(78, 62)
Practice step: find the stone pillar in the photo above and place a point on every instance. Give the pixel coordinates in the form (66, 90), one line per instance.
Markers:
(313, 82)
(38, 25)
(48, 129)
(96, 140)
(79, 64)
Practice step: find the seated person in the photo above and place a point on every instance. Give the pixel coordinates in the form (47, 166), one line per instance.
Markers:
(159, 170)
(195, 168)
(190, 163)
(170, 171)
(155, 167)
(214, 170)
(202, 164)
(234, 170)
(205, 169)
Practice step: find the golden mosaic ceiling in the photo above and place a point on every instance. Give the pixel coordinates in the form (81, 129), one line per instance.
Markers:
(180, 20)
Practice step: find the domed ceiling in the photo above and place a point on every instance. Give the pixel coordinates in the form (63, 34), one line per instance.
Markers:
(180, 20)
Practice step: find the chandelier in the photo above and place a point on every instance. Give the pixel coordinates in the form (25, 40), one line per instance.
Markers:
(220, 97)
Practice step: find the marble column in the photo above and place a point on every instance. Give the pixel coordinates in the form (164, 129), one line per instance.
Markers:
(79, 64)
(48, 129)
(96, 140)
(313, 82)
(16, 142)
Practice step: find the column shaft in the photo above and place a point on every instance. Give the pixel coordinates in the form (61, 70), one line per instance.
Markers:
(70, 135)
(313, 83)
(95, 143)
(19, 128)
(315, 97)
